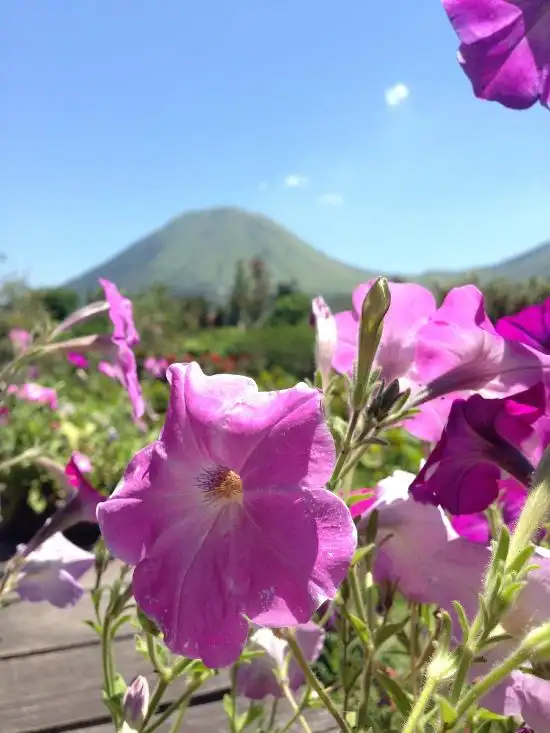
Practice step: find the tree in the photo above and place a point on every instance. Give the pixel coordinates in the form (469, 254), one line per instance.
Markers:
(239, 300)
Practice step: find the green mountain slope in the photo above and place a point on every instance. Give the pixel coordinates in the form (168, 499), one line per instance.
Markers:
(196, 253)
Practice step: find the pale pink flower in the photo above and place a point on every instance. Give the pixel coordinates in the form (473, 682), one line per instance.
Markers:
(326, 337)
(34, 392)
(20, 339)
(51, 572)
(228, 511)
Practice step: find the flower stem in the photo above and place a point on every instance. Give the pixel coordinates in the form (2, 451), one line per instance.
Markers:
(411, 726)
(313, 682)
(294, 705)
(345, 449)
(180, 704)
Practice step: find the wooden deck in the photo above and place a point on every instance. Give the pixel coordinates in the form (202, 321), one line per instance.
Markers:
(50, 676)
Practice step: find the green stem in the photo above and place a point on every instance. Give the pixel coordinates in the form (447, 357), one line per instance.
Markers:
(357, 595)
(411, 726)
(345, 449)
(294, 705)
(181, 703)
(414, 648)
(301, 707)
(153, 656)
(313, 682)
(21, 458)
(273, 714)
(154, 702)
(492, 679)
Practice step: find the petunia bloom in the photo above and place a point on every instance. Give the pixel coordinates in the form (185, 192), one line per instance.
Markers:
(530, 326)
(460, 350)
(228, 510)
(411, 307)
(124, 369)
(259, 677)
(326, 337)
(78, 360)
(33, 392)
(20, 339)
(156, 366)
(480, 441)
(121, 313)
(505, 48)
(80, 506)
(51, 572)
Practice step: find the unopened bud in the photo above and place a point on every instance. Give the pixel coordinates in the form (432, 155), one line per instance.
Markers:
(326, 338)
(375, 306)
(136, 700)
(80, 316)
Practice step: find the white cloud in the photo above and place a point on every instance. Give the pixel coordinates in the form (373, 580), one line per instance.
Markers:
(296, 180)
(396, 94)
(331, 199)
(262, 186)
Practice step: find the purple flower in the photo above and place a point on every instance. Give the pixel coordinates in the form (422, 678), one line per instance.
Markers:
(259, 677)
(505, 48)
(20, 339)
(79, 360)
(229, 504)
(136, 701)
(156, 367)
(326, 337)
(121, 313)
(51, 572)
(481, 439)
(530, 326)
(459, 350)
(411, 307)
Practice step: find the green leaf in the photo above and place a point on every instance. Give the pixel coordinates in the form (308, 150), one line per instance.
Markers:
(228, 706)
(462, 619)
(119, 686)
(503, 546)
(355, 498)
(397, 693)
(120, 622)
(93, 625)
(446, 709)
(360, 627)
(388, 630)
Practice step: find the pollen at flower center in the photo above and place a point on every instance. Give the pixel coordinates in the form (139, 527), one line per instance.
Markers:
(228, 485)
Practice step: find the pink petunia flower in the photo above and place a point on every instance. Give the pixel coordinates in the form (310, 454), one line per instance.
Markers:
(459, 351)
(530, 326)
(81, 461)
(80, 506)
(156, 366)
(33, 392)
(228, 511)
(482, 439)
(258, 678)
(505, 48)
(411, 307)
(51, 572)
(20, 339)
(78, 360)
(125, 335)
(121, 313)
(326, 337)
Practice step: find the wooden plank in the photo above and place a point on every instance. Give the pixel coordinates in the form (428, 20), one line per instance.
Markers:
(211, 718)
(51, 691)
(27, 628)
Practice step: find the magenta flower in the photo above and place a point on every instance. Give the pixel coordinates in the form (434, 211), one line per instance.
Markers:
(4, 415)
(20, 339)
(459, 350)
(81, 461)
(259, 677)
(78, 360)
(530, 326)
(411, 307)
(156, 367)
(81, 504)
(505, 48)
(33, 392)
(51, 572)
(121, 313)
(326, 337)
(229, 504)
(481, 439)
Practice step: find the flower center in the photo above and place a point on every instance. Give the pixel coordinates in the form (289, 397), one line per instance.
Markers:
(228, 485)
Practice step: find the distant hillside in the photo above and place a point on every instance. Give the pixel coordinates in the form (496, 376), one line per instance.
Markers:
(533, 263)
(197, 252)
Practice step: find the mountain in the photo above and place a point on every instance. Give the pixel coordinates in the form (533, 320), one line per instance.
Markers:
(533, 263)
(196, 253)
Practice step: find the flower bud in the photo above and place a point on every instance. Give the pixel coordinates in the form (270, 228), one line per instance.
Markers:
(80, 316)
(136, 701)
(375, 306)
(536, 508)
(326, 337)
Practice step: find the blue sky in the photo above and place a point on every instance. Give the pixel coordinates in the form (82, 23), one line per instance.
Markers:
(116, 116)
